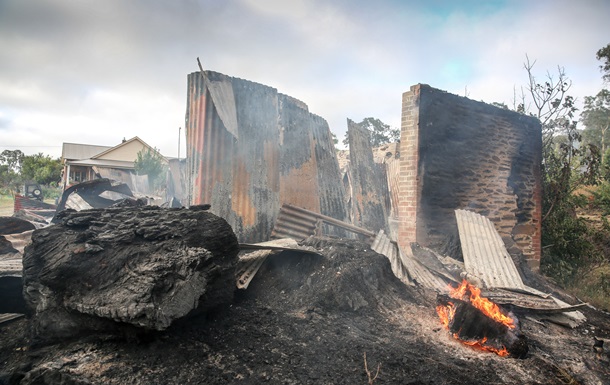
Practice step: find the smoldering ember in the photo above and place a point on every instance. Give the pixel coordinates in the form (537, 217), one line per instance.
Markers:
(273, 258)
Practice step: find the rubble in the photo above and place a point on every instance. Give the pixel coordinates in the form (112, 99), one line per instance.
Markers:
(308, 319)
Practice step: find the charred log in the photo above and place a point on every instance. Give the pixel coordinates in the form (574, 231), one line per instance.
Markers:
(140, 266)
(469, 324)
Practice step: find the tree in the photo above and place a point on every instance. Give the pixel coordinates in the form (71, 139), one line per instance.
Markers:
(604, 54)
(41, 168)
(334, 138)
(10, 166)
(596, 117)
(381, 133)
(565, 237)
(150, 162)
(12, 159)
(549, 102)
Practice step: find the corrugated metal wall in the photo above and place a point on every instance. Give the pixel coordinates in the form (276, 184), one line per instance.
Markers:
(251, 149)
(370, 193)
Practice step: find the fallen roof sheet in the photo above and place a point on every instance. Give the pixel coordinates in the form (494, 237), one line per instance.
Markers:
(486, 258)
(384, 246)
(411, 270)
(484, 253)
(298, 223)
(251, 261)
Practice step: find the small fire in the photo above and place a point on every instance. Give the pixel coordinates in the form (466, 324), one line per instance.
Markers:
(467, 292)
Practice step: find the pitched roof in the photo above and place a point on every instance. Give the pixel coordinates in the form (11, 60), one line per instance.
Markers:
(76, 151)
(124, 144)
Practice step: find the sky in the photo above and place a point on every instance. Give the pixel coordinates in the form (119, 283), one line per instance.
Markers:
(95, 72)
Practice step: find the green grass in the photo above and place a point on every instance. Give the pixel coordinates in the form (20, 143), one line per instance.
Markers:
(595, 289)
(6, 205)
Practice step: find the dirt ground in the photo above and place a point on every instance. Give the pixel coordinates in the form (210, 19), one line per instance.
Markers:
(308, 319)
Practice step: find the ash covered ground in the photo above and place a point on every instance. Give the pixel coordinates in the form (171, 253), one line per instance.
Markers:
(308, 319)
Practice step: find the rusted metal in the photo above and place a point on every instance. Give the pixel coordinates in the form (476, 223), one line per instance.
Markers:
(368, 182)
(273, 152)
(298, 223)
(22, 202)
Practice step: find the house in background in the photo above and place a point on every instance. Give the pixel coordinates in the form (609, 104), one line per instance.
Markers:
(83, 162)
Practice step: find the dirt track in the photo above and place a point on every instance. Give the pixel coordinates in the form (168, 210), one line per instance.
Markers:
(309, 320)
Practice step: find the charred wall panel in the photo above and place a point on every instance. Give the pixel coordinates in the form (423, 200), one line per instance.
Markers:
(298, 166)
(478, 157)
(330, 187)
(369, 186)
(255, 193)
(210, 150)
(250, 149)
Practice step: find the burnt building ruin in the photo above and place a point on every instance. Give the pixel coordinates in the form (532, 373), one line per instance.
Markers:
(252, 149)
(457, 153)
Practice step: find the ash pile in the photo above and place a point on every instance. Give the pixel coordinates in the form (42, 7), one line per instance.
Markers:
(153, 295)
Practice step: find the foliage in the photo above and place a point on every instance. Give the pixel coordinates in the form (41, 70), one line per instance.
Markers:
(381, 133)
(500, 105)
(605, 166)
(12, 159)
(10, 166)
(604, 55)
(334, 138)
(151, 162)
(569, 244)
(602, 197)
(596, 117)
(41, 168)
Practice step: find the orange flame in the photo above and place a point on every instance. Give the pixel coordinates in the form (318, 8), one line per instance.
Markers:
(488, 308)
(466, 291)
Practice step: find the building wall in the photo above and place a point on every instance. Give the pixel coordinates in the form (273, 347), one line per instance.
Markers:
(457, 153)
(251, 149)
(127, 153)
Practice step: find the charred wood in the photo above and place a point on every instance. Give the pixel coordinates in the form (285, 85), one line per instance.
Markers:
(139, 266)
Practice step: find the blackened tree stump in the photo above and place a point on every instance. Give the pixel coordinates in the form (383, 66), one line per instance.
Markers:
(141, 266)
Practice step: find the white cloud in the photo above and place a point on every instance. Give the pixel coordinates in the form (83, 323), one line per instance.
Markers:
(95, 72)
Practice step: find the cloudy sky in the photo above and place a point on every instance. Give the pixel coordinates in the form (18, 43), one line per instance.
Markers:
(95, 72)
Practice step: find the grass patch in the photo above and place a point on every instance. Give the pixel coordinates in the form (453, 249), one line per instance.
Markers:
(6, 205)
(595, 289)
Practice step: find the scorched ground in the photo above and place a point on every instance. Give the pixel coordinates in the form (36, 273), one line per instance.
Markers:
(308, 319)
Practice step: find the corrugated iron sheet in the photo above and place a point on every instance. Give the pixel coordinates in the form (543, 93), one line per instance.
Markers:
(298, 164)
(384, 245)
(298, 223)
(486, 257)
(420, 273)
(11, 264)
(330, 188)
(176, 186)
(22, 202)
(484, 253)
(369, 186)
(221, 91)
(274, 161)
(249, 262)
(406, 267)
